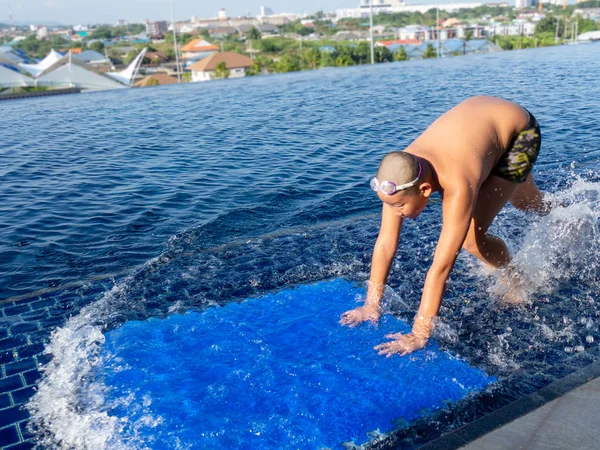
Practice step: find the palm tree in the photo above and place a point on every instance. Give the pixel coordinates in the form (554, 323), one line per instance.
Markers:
(467, 38)
(221, 70)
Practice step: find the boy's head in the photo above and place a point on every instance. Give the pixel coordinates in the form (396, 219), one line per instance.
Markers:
(400, 183)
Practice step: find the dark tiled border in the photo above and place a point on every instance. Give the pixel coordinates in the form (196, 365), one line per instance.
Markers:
(490, 422)
(25, 327)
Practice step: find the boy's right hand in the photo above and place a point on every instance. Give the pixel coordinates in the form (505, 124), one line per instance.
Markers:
(361, 314)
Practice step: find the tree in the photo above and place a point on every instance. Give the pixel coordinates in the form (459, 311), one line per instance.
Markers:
(221, 70)
(467, 38)
(254, 34)
(383, 54)
(102, 32)
(97, 46)
(287, 63)
(311, 58)
(344, 60)
(430, 52)
(254, 69)
(400, 54)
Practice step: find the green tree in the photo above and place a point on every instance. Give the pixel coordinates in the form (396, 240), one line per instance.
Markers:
(383, 54)
(254, 69)
(287, 63)
(430, 52)
(344, 60)
(97, 46)
(254, 34)
(221, 70)
(467, 38)
(129, 57)
(327, 59)
(311, 58)
(102, 32)
(400, 54)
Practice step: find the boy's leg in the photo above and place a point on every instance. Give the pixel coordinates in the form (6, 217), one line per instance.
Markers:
(493, 195)
(528, 197)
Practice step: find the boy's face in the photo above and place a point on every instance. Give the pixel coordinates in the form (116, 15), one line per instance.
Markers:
(406, 205)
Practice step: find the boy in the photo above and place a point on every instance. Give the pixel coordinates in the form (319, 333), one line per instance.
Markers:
(478, 156)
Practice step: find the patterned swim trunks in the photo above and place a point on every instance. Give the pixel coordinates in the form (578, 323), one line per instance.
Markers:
(516, 164)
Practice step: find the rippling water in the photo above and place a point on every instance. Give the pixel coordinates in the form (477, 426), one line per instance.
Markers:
(96, 184)
(196, 195)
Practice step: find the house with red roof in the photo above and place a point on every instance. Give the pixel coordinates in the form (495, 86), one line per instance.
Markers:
(198, 49)
(235, 63)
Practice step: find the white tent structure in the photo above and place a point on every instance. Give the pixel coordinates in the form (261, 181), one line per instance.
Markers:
(57, 71)
(11, 75)
(36, 69)
(127, 76)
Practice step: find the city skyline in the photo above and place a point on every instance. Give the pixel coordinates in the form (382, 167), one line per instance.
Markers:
(71, 12)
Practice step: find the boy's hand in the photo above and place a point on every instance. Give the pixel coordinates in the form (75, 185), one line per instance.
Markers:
(362, 314)
(403, 344)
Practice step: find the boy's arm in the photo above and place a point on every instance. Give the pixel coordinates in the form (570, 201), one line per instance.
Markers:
(457, 211)
(381, 263)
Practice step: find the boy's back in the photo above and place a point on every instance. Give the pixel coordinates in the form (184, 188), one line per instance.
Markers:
(467, 141)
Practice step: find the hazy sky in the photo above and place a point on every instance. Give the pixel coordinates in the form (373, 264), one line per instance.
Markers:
(108, 11)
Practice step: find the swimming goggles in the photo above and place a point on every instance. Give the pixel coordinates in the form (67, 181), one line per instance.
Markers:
(390, 188)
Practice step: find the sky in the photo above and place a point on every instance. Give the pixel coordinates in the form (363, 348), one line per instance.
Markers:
(72, 12)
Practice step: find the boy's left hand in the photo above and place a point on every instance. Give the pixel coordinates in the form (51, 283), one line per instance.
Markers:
(403, 344)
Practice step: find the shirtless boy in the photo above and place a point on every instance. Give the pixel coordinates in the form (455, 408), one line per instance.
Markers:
(478, 156)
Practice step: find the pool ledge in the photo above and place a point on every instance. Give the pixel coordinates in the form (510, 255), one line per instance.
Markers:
(561, 415)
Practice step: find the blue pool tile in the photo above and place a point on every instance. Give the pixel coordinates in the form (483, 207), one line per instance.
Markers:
(6, 356)
(12, 342)
(32, 377)
(30, 350)
(17, 310)
(23, 327)
(3, 333)
(43, 304)
(24, 431)
(9, 416)
(21, 396)
(22, 446)
(20, 366)
(5, 401)
(34, 315)
(52, 322)
(43, 359)
(8, 436)
(10, 384)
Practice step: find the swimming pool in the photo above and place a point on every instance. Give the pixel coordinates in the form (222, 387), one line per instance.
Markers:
(123, 207)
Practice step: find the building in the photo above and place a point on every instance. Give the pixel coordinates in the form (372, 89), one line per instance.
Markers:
(380, 6)
(42, 33)
(157, 79)
(266, 11)
(57, 71)
(156, 29)
(204, 69)
(198, 49)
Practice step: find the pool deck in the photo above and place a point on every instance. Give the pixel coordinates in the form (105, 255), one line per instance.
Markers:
(560, 416)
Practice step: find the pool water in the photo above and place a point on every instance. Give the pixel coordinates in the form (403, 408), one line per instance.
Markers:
(141, 206)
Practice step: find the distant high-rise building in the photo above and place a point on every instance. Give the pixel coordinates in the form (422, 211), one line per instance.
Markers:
(266, 11)
(222, 14)
(520, 4)
(159, 28)
(121, 23)
(42, 32)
